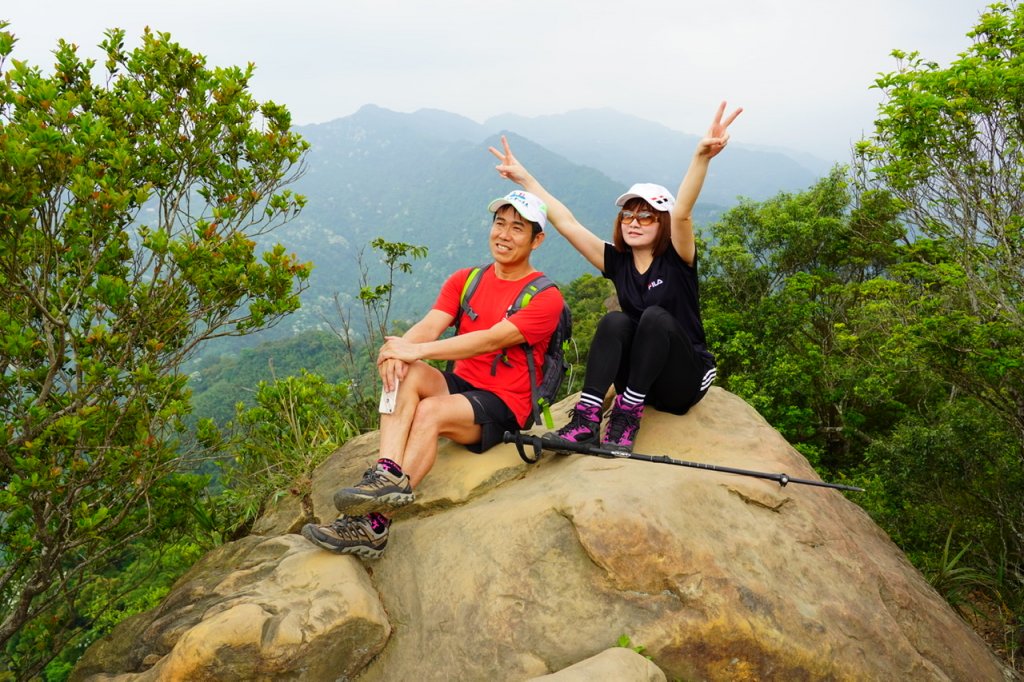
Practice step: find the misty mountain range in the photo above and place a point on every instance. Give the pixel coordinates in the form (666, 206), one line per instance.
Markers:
(426, 178)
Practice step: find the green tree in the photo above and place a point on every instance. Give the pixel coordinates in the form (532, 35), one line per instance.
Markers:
(129, 206)
(832, 321)
(785, 291)
(948, 144)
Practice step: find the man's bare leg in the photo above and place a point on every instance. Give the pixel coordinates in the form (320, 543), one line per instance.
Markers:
(421, 381)
(450, 416)
(424, 411)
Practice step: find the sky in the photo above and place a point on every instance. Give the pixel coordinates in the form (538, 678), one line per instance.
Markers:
(801, 69)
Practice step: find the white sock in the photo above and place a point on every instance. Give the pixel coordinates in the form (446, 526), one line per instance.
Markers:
(632, 398)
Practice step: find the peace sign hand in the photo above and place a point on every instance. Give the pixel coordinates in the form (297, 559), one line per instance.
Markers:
(718, 134)
(509, 168)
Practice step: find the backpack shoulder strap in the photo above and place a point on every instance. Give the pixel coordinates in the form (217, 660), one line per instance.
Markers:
(530, 289)
(468, 289)
(535, 286)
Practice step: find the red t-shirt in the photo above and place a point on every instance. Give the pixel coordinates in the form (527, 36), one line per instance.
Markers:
(536, 321)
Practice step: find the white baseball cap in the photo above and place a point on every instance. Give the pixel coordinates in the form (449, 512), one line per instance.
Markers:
(655, 195)
(528, 205)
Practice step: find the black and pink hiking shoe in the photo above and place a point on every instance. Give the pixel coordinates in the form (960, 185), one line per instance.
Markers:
(584, 427)
(623, 424)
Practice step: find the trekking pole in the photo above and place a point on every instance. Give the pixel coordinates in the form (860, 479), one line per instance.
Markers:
(539, 445)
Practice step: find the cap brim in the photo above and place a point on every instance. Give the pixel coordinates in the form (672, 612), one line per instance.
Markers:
(621, 201)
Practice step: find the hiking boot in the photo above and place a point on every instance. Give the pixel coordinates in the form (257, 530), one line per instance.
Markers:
(359, 535)
(584, 427)
(379, 490)
(623, 424)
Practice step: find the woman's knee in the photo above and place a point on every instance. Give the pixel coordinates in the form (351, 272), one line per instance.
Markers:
(655, 317)
(615, 324)
(654, 338)
(656, 322)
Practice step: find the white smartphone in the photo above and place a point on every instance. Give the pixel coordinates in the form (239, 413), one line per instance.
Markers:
(387, 400)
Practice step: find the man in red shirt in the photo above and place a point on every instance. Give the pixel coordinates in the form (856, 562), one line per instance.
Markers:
(485, 394)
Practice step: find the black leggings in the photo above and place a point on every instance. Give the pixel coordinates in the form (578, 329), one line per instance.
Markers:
(654, 357)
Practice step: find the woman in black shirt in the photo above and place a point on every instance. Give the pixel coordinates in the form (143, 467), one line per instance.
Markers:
(654, 350)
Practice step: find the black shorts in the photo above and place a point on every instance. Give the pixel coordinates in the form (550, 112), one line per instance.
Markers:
(489, 411)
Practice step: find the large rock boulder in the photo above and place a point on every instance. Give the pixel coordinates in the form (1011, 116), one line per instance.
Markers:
(259, 608)
(503, 571)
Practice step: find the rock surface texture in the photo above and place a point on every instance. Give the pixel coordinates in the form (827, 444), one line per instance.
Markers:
(503, 571)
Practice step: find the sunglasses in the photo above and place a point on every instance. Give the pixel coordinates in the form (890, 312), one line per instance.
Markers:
(645, 218)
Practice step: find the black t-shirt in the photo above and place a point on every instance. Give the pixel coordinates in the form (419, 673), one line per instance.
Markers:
(669, 283)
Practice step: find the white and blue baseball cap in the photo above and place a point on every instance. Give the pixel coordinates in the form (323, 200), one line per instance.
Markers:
(528, 205)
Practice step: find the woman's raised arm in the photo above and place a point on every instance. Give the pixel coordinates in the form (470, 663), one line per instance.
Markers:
(583, 240)
(689, 189)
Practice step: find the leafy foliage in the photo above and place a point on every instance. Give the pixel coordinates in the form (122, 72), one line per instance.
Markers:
(138, 582)
(626, 642)
(297, 421)
(862, 343)
(219, 383)
(129, 209)
(876, 322)
(949, 147)
(830, 320)
(789, 295)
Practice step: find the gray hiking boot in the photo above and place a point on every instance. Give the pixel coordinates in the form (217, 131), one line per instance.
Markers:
(359, 535)
(379, 490)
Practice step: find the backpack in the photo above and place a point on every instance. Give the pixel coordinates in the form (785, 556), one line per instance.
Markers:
(555, 366)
